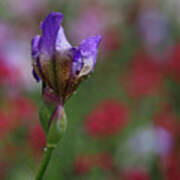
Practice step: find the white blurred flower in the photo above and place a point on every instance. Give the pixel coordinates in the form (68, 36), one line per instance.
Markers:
(17, 54)
(150, 141)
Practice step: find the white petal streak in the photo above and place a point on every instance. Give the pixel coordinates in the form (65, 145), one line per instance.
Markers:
(61, 42)
(87, 67)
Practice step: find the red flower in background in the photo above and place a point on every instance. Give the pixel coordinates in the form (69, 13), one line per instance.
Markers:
(174, 64)
(144, 78)
(172, 167)
(22, 107)
(8, 75)
(19, 110)
(135, 174)
(37, 139)
(108, 118)
(111, 40)
(167, 119)
(83, 164)
(4, 125)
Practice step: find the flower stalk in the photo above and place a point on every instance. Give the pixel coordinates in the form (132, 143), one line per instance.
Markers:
(61, 68)
(45, 161)
(56, 131)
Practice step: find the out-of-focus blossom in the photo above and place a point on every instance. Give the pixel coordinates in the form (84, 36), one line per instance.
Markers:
(22, 107)
(160, 142)
(37, 139)
(174, 63)
(5, 32)
(4, 125)
(21, 111)
(103, 20)
(145, 77)
(153, 27)
(108, 118)
(167, 120)
(154, 30)
(135, 174)
(25, 8)
(8, 76)
(112, 40)
(95, 16)
(61, 66)
(171, 166)
(15, 52)
(83, 164)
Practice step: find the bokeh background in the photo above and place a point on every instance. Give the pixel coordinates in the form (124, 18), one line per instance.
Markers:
(124, 120)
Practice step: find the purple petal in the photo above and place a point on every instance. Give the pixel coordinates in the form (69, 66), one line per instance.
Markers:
(89, 46)
(34, 46)
(50, 28)
(89, 49)
(77, 62)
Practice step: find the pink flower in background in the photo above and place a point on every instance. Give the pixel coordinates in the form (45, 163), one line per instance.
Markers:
(37, 139)
(135, 174)
(94, 16)
(145, 77)
(25, 8)
(84, 163)
(108, 118)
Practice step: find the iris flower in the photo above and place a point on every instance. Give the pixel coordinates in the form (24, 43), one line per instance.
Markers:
(60, 66)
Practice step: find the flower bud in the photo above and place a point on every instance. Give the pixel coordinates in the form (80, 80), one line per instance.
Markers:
(60, 66)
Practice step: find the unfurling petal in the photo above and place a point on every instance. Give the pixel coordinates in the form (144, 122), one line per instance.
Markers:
(88, 49)
(50, 28)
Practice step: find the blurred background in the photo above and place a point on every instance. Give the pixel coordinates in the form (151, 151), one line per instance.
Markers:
(124, 121)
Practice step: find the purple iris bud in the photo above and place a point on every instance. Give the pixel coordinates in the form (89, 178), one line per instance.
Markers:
(60, 66)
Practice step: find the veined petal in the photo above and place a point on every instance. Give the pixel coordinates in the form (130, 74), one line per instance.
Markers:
(77, 62)
(89, 49)
(50, 28)
(34, 46)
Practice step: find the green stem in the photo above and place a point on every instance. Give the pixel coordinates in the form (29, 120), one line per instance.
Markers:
(45, 161)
